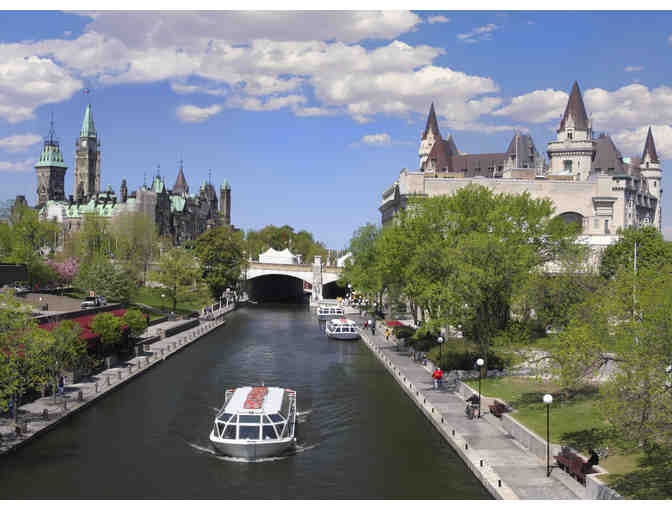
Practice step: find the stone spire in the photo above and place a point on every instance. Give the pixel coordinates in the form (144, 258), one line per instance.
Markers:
(88, 130)
(650, 148)
(432, 124)
(180, 185)
(576, 110)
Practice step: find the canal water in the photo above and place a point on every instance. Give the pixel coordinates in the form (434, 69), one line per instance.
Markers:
(360, 436)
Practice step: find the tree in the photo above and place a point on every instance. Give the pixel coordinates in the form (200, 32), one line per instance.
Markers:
(636, 336)
(65, 270)
(63, 349)
(221, 252)
(180, 275)
(652, 250)
(136, 242)
(105, 278)
(135, 321)
(108, 327)
(362, 269)
(300, 243)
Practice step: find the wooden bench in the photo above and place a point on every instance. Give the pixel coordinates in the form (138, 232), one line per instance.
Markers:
(498, 408)
(573, 463)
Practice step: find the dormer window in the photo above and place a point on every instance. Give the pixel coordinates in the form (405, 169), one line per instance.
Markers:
(567, 165)
(570, 135)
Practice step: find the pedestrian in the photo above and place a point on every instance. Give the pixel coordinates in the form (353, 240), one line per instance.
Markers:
(61, 386)
(436, 376)
(594, 460)
(373, 327)
(387, 334)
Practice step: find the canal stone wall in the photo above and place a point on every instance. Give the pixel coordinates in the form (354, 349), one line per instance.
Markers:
(37, 418)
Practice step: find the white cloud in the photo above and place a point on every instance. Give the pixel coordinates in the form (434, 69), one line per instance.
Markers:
(18, 143)
(629, 107)
(483, 33)
(25, 166)
(438, 19)
(181, 88)
(377, 139)
(632, 69)
(29, 82)
(191, 113)
(537, 106)
(669, 39)
(631, 141)
(182, 29)
(273, 103)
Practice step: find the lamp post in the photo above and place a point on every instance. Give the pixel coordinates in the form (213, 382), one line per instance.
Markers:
(440, 340)
(479, 362)
(349, 292)
(548, 399)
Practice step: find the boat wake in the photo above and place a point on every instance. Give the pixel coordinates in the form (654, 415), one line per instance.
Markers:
(300, 448)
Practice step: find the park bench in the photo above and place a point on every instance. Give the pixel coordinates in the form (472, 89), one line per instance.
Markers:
(498, 408)
(572, 463)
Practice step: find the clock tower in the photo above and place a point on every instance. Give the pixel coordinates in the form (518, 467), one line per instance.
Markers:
(87, 160)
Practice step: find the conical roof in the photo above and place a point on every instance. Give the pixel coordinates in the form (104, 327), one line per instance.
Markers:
(180, 185)
(650, 148)
(576, 109)
(432, 124)
(87, 124)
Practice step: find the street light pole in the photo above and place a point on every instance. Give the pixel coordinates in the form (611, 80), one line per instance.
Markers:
(479, 362)
(440, 340)
(548, 399)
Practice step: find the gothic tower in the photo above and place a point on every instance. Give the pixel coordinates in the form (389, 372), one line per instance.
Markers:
(650, 168)
(50, 171)
(430, 136)
(225, 203)
(87, 159)
(573, 151)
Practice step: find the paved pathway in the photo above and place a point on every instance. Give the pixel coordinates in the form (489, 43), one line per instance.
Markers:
(96, 386)
(523, 475)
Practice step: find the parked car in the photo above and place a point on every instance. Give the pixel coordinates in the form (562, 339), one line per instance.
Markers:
(90, 302)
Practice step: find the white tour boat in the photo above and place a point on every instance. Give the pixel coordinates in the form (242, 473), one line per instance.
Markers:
(255, 422)
(326, 312)
(342, 329)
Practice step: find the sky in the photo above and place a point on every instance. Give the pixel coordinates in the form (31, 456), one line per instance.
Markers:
(310, 116)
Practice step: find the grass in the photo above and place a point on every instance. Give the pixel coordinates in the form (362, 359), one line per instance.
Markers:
(575, 421)
(152, 297)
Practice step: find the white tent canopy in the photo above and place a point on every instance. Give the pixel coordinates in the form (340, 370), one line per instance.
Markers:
(272, 256)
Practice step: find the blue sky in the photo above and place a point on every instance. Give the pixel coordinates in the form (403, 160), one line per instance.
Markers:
(311, 117)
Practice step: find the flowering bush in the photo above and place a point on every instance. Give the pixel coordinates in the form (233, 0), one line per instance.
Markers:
(65, 270)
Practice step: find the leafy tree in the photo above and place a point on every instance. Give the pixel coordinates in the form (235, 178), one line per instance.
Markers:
(221, 252)
(108, 326)
(135, 321)
(105, 278)
(180, 275)
(94, 240)
(65, 270)
(652, 251)
(136, 242)
(361, 270)
(638, 341)
(300, 243)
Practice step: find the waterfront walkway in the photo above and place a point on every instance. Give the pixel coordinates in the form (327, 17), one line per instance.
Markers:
(45, 413)
(506, 468)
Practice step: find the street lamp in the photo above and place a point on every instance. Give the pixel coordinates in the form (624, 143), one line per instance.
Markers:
(440, 340)
(479, 362)
(548, 399)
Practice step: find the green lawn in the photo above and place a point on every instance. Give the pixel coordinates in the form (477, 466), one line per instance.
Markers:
(152, 297)
(576, 421)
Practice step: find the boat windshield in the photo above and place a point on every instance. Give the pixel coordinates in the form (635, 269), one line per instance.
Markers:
(277, 418)
(224, 417)
(248, 432)
(247, 418)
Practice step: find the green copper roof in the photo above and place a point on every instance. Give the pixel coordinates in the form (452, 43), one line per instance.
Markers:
(177, 203)
(225, 185)
(87, 124)
(51, 156)
(157, 185)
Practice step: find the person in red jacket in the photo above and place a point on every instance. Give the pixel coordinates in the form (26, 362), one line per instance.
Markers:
(437, 375)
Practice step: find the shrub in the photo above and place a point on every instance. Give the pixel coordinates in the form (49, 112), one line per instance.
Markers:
(402, 331)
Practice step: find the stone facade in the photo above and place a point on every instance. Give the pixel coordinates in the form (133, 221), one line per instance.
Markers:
(588, 180)
(177, 214)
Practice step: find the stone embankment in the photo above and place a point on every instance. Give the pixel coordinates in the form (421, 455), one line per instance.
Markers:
(504, 466)
(40, 416)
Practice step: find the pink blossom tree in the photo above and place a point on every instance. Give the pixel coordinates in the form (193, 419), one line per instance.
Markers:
(65, 270)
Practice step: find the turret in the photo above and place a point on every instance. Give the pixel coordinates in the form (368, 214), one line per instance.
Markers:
(430, 136)
(50, 171)
(225, 203)
(650, 169)
(180, 185)
(572, 154)
(87, 159)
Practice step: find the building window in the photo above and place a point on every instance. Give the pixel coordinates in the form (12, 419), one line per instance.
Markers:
(610, 170)
(570, 135)
(598, 170)
(655, 184)
(568, 165)
(606, 226)
(596, 223)
(647, 164)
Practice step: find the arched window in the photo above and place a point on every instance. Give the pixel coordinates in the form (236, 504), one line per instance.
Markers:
(573, 217)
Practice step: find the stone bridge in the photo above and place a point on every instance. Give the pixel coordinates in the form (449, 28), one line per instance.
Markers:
(315, 276)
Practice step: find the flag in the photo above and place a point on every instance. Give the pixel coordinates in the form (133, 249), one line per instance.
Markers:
(86, 91)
